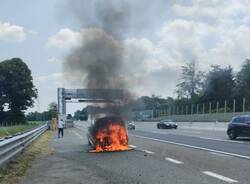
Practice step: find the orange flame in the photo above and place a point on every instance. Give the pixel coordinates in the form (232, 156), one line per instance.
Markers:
(112, 137)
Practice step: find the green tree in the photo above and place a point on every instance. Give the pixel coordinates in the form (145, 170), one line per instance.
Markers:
(17, 91)
(43, 116)
(153, 102)
(81, 114)
(36, 116)
(191, 81)
(69, 116)
(242, 88)
(52, 110)
(219, 84)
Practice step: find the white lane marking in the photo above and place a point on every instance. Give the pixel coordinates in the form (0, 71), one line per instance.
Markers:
(220, 177)
(173, 160)
(149, 152)
(186, 131)
(81, 137)
(81, 128)
(132, 146)
(204, 128)
(219, 154)
(195, 147)
(174, 133)
(208, 138)
(159, 132)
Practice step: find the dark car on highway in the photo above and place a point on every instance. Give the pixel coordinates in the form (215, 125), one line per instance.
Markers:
(239, 126)
(167, 124)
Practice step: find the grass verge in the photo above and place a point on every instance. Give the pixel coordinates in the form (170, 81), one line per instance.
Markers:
(16, 169)
(10, 130)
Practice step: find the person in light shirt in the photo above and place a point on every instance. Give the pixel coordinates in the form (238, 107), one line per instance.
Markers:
(60, 128)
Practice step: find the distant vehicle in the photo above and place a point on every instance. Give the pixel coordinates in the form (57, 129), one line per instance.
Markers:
(239, 126)
(167, 124)
(130, 125)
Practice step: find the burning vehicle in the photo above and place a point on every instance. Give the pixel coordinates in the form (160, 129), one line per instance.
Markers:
(108, 134)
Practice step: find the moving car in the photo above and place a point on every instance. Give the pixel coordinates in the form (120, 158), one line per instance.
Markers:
(239, 126)
(167, 124)
(130, 125)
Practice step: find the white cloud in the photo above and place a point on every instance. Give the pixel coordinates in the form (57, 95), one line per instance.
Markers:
(216, 10)
(54, 60)
(223, 41)
(33, 32)
(9, 32)
(150, 61)
(185, 40)
(232, 49)
(47, 90)
(65, 38)
(200, 9)
(210, 32)
(55, 77)
(68, 38)
(153, 70)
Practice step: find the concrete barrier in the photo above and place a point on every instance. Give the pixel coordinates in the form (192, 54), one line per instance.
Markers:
(213, 117)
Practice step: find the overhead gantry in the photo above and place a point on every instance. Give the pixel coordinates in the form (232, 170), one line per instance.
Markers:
(86, 95)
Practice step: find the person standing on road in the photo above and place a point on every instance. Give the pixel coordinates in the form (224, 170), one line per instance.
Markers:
(60, 127)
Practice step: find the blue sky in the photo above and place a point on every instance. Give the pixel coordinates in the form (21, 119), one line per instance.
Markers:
(39, 20)
(162, 36)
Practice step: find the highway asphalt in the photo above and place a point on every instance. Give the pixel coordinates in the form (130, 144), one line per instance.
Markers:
(192, 154)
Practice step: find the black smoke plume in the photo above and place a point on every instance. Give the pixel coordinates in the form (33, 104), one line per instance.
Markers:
(98, 63)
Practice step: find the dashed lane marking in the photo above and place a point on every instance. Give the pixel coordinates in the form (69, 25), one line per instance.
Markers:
(213, 139)
(194, 147)
(176, 133)
(149, 152)
(82, 129)
(81, 137)
(219, 154)
(188, 131)
(132, 146)
(220, 177)
(173, 160)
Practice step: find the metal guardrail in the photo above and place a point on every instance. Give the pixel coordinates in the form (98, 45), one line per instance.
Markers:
(9, 148)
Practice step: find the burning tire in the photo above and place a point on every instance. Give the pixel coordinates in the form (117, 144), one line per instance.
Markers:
(108, 134)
